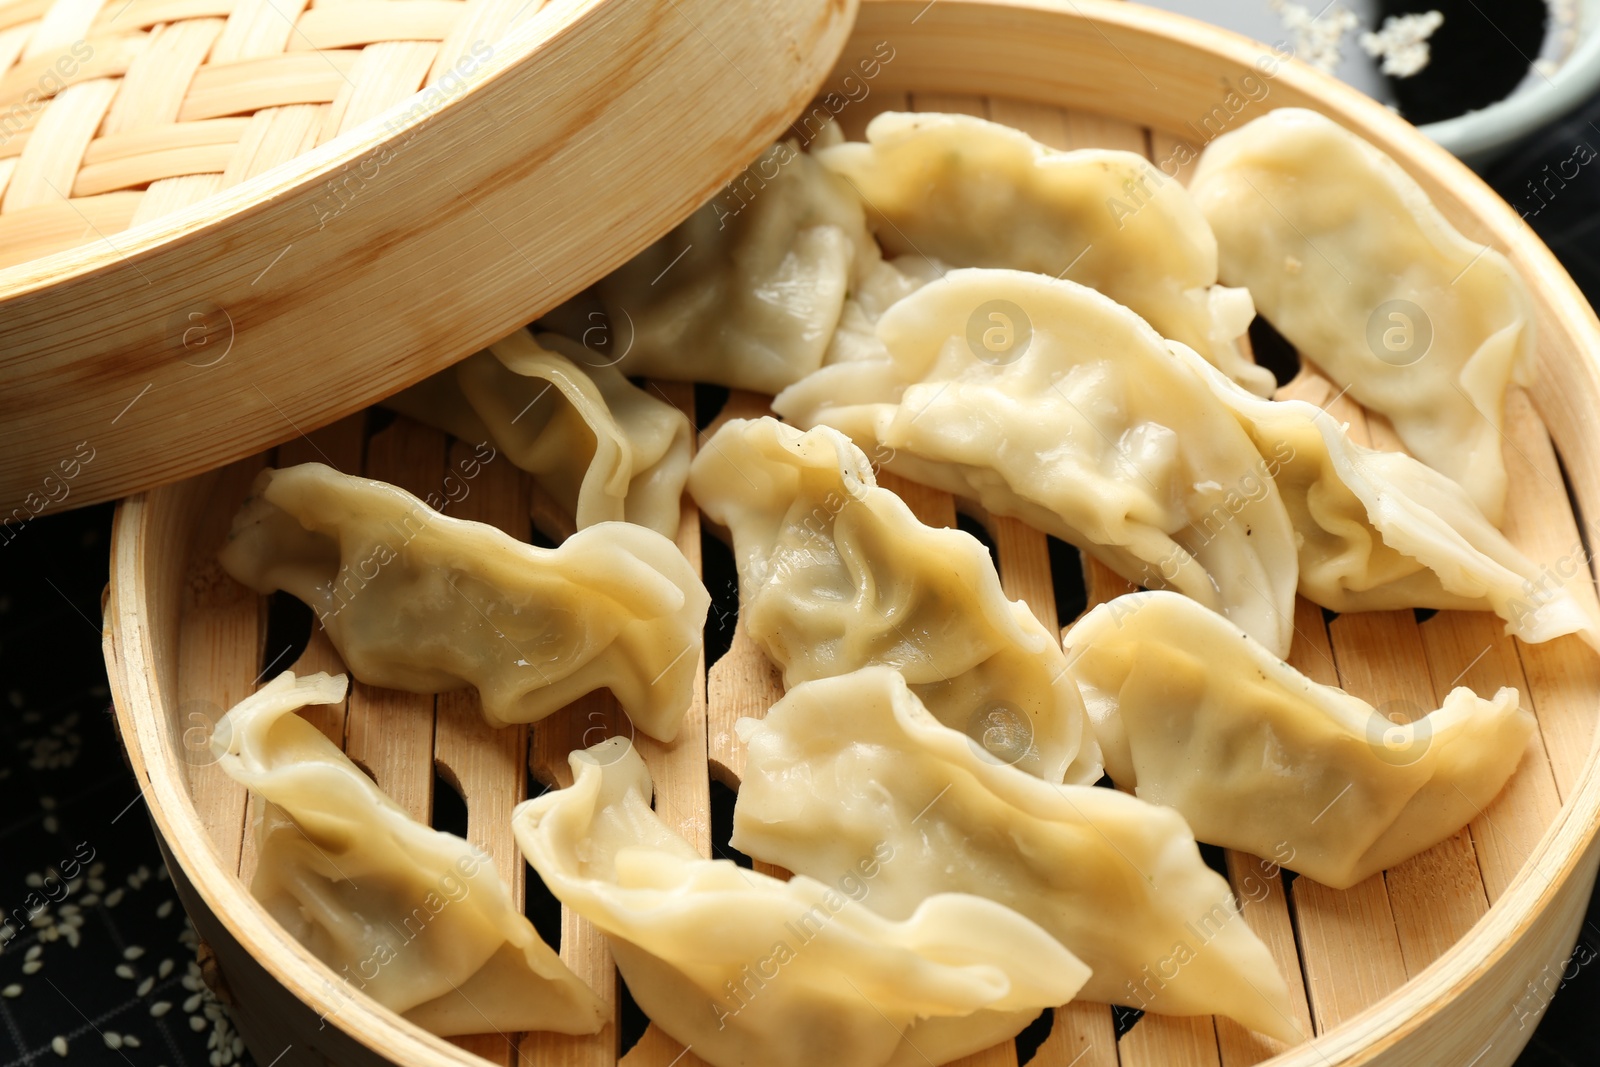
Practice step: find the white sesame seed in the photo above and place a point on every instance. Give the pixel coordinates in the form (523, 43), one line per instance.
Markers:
(89, 900)
(47, 803)
(164, 909)
(215, 1059)
(238, 1046)
(51, 825)
(130, 1040)
(160, 1008)
(58, 1045)
(192, 1005)
(96, 869)
(112, 1039)
(98, 885)
(68, 910)
(72, 936)
(132, 952)
(145, 986)
(31, 967)
(124, 971)
(165, 969)
(197, 1023)
(114, 897)
(12, 990)
(34, 880)
(33, 953)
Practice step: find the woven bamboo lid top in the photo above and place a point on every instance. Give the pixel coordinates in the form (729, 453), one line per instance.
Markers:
(114, 112)
(224, 223)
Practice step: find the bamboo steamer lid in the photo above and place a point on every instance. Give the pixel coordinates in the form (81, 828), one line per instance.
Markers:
(226, 222)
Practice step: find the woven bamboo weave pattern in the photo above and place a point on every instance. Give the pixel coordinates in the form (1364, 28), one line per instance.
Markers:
(114, 112)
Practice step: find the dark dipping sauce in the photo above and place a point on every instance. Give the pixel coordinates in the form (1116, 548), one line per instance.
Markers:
(1476, 60)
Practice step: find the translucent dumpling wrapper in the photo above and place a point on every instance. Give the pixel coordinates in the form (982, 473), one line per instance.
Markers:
(1348, 258)
(882, 284)
(422, 602)
(747, 292)
(1194, 714)
(1382, 530)
(749, 969)
(414, 917)
(604, 449)
(974, 193)
(839, 765)
(1069, 412)
(836, 573)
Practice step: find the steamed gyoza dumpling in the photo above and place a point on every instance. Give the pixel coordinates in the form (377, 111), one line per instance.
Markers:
(978, 194)
(412, 916)
(1194, 714)
(1350, 260)
(839, 764)
(418, 601)
(836, 573)
(604, 449)
(747, 292)
(1046, 400)
(1381, 530)
(748, 969)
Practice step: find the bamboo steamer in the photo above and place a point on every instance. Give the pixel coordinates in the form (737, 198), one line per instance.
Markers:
(1449, 958)
(223, 222)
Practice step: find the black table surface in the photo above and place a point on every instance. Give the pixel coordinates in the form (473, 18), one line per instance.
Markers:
(98, 953)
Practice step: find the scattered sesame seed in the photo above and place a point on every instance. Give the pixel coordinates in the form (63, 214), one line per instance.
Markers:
(89, 900)
(51, 824)
(192, 1005)
(114, 897)
(145, 986)
(72, 936)
(12, 990)
(197, 1023)
(164, 909)
(165, 969)
(98, 885)
(112, 1039)
(32, 967)
(58, 1045)
(160, 1008)
(130, 1040)
(33, 953)
(124, 971)
(35, 880)
(96, 869)
(132, 952)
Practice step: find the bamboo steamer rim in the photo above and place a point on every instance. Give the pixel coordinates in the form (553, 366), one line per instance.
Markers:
(1413, 1015)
